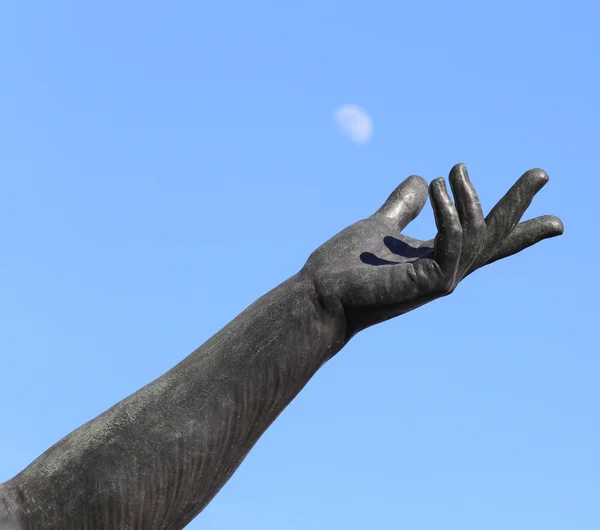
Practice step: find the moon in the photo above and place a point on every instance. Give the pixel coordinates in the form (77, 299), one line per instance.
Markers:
(354, 122)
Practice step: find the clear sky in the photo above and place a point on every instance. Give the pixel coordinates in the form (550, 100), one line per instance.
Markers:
(163, 164)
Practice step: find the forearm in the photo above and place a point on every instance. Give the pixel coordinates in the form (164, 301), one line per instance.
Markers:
(158, 457)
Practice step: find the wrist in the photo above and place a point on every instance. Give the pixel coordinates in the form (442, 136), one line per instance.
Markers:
(327, 310)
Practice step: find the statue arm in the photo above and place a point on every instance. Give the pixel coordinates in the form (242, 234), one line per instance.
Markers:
(158, 457)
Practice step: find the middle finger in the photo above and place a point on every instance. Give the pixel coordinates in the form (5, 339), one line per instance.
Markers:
(470, 214)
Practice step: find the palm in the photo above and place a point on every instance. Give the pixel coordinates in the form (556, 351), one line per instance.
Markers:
(371, 272)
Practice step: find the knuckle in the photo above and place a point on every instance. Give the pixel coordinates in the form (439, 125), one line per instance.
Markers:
(455, 230)
(446, 285)
(449, 287)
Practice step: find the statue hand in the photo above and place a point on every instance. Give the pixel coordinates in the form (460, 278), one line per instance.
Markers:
(370, 272)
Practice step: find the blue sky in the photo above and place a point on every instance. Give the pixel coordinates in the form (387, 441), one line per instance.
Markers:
(165, 164)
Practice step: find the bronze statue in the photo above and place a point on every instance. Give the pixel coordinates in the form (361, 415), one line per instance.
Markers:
(158, 457)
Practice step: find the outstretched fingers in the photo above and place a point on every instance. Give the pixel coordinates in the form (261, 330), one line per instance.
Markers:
(503, 218)
(526, 234)
(448, 242)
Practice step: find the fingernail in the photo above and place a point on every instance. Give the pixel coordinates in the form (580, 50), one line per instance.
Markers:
(466, 173)
(440, 183)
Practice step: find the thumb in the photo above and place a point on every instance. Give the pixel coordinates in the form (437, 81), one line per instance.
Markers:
(405, 202)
